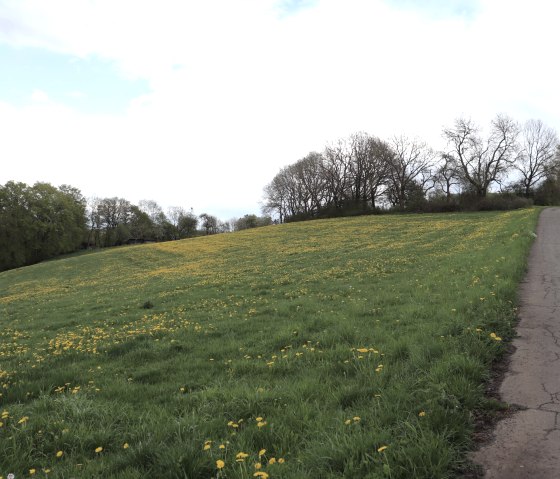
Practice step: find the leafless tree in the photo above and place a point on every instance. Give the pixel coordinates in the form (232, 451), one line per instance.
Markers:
(369, 161)
(446, 176)
(482, 163)
(536, 154)
(409, 168)
(337, 166)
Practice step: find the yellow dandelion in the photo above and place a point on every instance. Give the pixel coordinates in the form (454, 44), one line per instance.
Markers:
(240, 457)
(125, 445)
(272, 460)
(23, 420)
(261, 474)
(382, 448)
(262, 452)
(258, 419)
(207, 446)
(258, 465)
(32, 471)
(281, 460)
(362, 350)
(221, 446)
(422, 413)
(98, 449)
(261, 424)
(348, 421)
(357, 418)
(59, 454)
(220, 464)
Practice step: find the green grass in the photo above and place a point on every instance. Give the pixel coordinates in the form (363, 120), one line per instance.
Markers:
(319, 342)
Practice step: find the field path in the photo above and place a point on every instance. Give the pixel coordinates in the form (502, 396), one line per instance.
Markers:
(527, 444)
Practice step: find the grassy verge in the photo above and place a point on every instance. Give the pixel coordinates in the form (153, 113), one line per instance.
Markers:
(353, 347)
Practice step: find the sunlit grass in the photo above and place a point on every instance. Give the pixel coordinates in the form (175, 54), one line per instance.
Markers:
(341, 348)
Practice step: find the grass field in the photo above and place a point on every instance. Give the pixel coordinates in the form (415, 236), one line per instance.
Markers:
(350, 348)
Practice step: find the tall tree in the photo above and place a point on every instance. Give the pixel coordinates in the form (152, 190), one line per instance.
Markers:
(537, 150)
(409, 169)
(482, 162)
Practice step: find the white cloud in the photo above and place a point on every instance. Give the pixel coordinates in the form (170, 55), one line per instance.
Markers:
(39, 96)
(242, 88)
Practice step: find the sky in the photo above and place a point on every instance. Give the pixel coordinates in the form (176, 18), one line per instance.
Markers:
(199, 104)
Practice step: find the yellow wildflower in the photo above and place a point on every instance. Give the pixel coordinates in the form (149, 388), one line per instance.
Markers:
(125, 445)
(258, 465)
(98, 449)
(348, 421)
(59, 454)
(422, 413)
(240, 457)
(220, 464)
(32, 471)
(272, 460)
(261, 474)
(281, 460)
(362, 350)
(262, 452)
(23, 420)
(382, 448)
(261, 424)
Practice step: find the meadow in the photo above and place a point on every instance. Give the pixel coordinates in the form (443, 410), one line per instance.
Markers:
(355, 347)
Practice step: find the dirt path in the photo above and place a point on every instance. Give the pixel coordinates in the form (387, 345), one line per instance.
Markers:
(527, 444)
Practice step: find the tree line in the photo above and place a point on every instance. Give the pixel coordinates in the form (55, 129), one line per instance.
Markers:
(363, 173)
(38, 222)
(42, 221)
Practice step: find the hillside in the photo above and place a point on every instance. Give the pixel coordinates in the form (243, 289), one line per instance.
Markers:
(354, 347)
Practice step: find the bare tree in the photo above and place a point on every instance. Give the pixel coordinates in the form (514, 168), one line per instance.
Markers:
(446, 176)
(537, 151)
(337, 167)
(482, 163)
(409, 169)
(370, 158)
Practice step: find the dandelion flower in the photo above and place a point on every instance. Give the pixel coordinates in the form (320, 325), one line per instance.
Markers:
(356, 418)
(240, 457)
(23, 420)
(258, 419)
(272, 460)
(348, 421)
(59, 454)
(422, 413)
(382, 448)
(262, 452)
(258, 465)
(261, 474)
(362, 350)
(221, 446)
(98, 449)
(207, 446)
(32, 471)
(220, 464)
(261, 424)
(281, 460)
(125, 445)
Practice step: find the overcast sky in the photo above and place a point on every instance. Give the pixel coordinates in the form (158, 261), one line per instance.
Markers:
(200, 103)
